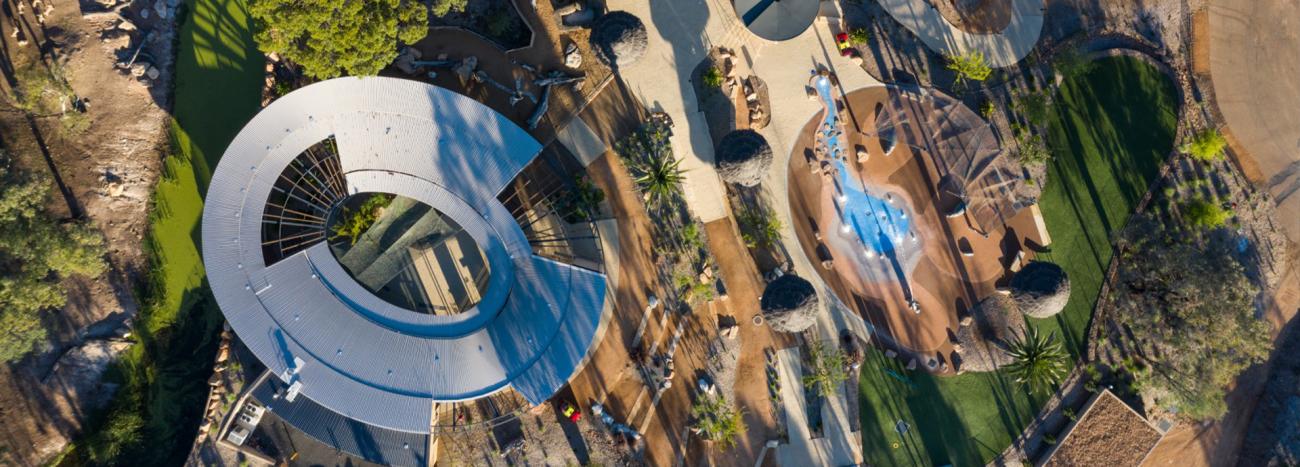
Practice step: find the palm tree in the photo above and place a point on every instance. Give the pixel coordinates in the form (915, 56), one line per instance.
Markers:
(1038, 361)
(660, 177)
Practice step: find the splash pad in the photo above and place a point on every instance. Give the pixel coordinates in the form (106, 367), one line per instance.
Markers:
(874, 181)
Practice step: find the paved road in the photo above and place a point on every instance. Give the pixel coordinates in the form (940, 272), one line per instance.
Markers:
(1000, 49)
(1254, 56)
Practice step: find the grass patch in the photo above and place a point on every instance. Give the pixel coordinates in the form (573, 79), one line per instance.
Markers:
(155, 414)
(1110, 130)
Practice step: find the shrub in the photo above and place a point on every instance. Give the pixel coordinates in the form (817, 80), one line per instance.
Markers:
(1205, 214)
(970, 66)
(759, 227)
(716, 420)
(1030, 148)
(355, 224)
(500, 23)
(828, 369)
(712, 77)
(859, 37)
(987, 108)
(580, 201)
(1206, 145)
(655, 169)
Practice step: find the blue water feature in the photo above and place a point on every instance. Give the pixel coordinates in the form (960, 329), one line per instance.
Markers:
(878, 223)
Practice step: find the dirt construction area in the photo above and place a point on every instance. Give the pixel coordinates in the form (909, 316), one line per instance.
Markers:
(946, 264)
(103, 164)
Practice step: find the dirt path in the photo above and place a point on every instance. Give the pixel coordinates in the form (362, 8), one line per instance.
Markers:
(744, 287)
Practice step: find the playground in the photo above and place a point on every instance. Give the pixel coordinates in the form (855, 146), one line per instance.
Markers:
(905, 201)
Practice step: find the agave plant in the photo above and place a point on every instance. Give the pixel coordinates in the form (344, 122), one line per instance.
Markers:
(1038, 360)
(660, 177)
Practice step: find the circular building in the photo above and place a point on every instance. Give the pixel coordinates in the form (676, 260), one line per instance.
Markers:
(777, 20)
(356, 239)
(743, 157)
(1041, 289)
(619, 38)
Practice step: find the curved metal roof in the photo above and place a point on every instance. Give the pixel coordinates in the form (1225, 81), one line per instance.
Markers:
(361, 356)
(777, 20)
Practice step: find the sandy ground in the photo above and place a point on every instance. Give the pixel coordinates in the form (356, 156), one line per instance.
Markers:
(944, 282)
(109, 171)
(610, 378)
(744, 287)
(1254, 47)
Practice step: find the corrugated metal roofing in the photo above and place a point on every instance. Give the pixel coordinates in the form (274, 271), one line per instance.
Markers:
(374, 444)
(363, 357)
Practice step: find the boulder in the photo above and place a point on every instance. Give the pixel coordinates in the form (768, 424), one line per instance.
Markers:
(619, 38)
(743, 158)
(789, 304)
(984, 335)
(1041, 289)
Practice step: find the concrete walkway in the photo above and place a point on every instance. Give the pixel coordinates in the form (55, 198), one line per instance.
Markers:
(1001, 49)
(835, 447)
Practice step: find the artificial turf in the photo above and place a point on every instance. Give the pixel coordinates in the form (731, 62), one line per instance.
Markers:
(1109, 132)
(218, 78)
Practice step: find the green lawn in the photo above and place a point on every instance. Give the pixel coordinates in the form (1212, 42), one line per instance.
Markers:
(164, 376)
(1110, 131)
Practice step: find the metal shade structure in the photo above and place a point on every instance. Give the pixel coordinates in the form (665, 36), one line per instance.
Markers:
(777, 20)
(322, 334)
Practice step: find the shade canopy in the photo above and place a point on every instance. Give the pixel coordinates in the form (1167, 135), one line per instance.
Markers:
(777, 20)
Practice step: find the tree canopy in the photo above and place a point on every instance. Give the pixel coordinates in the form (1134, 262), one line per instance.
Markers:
(36, 251)
(331, 38)
(1190, 307)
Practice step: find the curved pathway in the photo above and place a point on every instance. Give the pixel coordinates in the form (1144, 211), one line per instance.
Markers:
(1000, 49)
(1254, 53)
